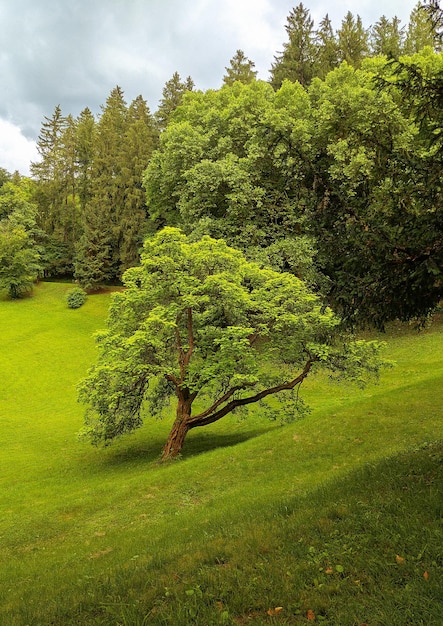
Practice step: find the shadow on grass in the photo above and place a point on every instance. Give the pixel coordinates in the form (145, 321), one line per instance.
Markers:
(130, 453)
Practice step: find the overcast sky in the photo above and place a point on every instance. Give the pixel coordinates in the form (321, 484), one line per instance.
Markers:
(73, 52)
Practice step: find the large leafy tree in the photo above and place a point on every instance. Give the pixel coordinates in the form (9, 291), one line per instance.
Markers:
(199, 323)
(19, 253)
(232, 164)
(378, 214)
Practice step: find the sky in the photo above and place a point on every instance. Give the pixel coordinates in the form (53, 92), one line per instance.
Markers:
(73, 52)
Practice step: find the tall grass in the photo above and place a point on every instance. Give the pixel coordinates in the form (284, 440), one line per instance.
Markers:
(252, 518)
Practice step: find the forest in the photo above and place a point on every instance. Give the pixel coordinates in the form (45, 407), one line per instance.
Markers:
(331, 170)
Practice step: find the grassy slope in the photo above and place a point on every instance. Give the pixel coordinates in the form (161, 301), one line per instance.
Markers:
(255, 515)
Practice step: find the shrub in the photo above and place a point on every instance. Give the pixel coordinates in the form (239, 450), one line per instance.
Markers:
(76, 297)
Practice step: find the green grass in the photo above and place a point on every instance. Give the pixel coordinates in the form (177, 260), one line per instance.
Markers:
(339, 513)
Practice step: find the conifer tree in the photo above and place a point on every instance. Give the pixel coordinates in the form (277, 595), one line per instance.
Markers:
(296, 62)
(52, 193)
(326, 57)
(421, 30)
(387, 37)
(240, 69)
(173, 92)
(85, 147)
(352, 40)
(100, 229)
(140, 140)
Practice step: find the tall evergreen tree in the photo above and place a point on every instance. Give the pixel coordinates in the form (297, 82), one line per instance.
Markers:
(140, 140)
(326, 56)
(352, 40)
(85, 148)
(241, 69)
(52, 194)
(107, 195)
(296, 62)
(173, 92)
(387, 37)
(421, 30)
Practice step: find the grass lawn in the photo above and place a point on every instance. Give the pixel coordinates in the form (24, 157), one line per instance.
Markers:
(334, 519)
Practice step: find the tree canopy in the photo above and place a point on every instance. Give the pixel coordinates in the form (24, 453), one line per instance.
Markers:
(198, 322)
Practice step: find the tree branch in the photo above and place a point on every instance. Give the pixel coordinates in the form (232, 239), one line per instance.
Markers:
(208, 418)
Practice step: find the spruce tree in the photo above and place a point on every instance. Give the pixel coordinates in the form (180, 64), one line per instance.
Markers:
(421, 31)
(387, 37)
(352, 40)
(107, 197)
(240, 69)
(326, 56)
(173, 92)
(140, 140)
(52, 193)
(296, 62)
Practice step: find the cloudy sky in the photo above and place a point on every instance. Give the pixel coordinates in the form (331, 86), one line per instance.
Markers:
(73, 52)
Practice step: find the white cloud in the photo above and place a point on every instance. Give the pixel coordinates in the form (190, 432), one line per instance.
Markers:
(16, 151)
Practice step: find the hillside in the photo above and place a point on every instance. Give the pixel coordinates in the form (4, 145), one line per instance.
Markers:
(333, 519)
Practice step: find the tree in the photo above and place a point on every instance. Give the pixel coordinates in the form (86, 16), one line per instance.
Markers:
(352, 40)
(140, 140)
(107, 195)
(421, 30)
(19, 254)
(296, 62)
(52, 193)
(387, 37)
(198, 320)
(377, 219)
(241, 69)
(173, 93)
(326, 55)
(233, 164)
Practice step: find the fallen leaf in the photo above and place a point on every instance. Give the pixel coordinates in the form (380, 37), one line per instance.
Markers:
(426, 575)
(275, 611)
(399, 559)
(310, 616)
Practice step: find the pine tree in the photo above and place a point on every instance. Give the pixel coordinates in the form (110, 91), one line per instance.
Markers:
(173, 92)
(326, 57)
(387, 37)
(240, 69)
(296, 62)
(352, 40)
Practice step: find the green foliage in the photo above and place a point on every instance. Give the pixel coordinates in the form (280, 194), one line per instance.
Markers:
(240, 69)
(377, 220)
(232, 164)
(250, 519)
(19, 253)
(75, 298)
(213, 325)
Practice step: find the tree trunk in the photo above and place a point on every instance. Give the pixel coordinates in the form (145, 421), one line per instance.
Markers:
(179, 430)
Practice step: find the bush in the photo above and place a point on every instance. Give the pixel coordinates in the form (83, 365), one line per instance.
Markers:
(76, 297)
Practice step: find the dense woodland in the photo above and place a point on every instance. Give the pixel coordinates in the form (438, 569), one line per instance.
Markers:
(331, 170)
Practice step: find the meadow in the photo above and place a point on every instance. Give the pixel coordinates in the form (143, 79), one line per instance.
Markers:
(333, 519)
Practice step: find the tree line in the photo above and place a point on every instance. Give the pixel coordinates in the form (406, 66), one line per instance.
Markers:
(330, 170)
